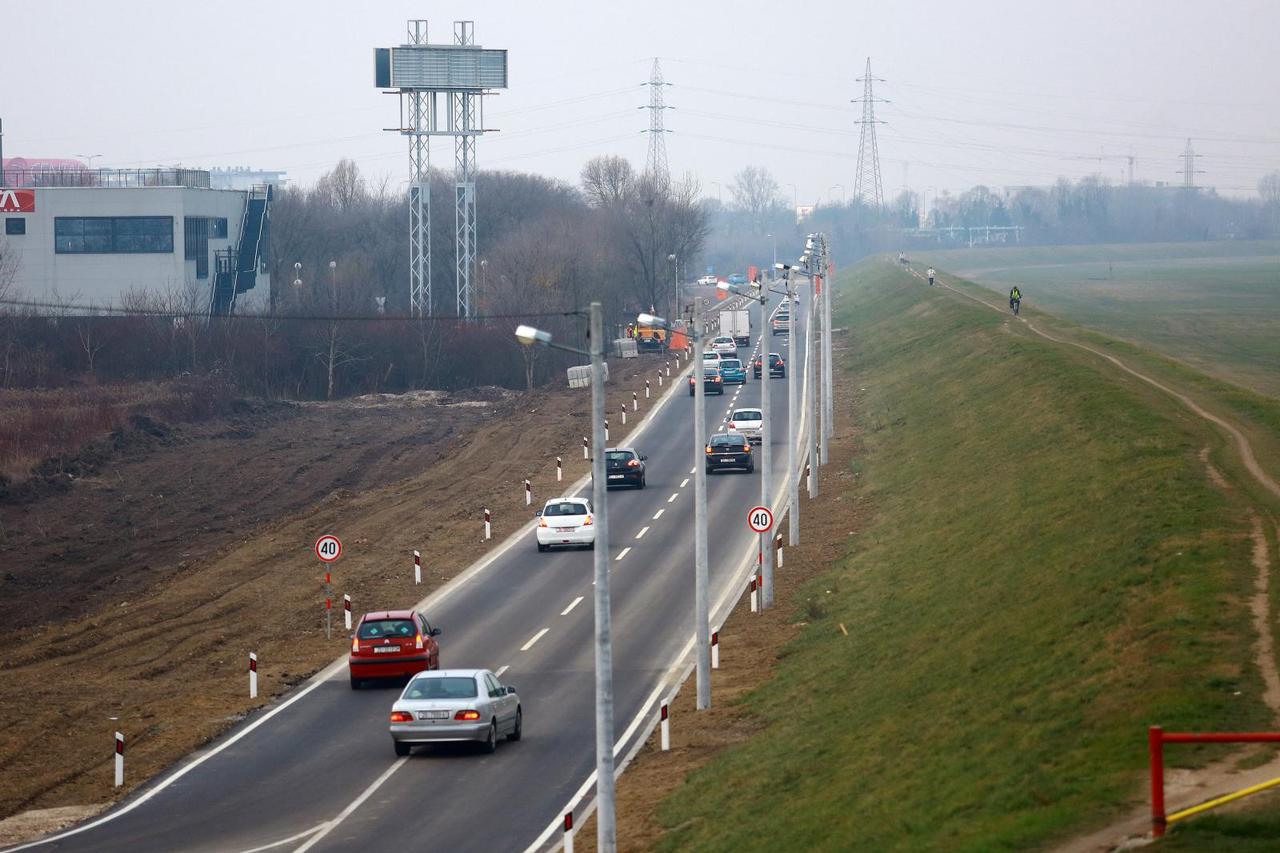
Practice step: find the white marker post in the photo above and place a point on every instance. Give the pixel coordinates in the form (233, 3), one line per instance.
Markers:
(606, 430)
(777, 548)
(668, 371)
(715, 649)
(586, 448)
(666, 727)
(417, 567)
(752, 590)
(646, 386)
(253, 675)
(660, 377)
(624, 414)
(559, 469)
(346, 611)
(568, 832)
(119, 759)
(488, 525)
(528, 493)
(635, 398)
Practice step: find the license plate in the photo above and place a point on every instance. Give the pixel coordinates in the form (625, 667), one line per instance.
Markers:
(433, 715)
(726, 461)
(615, 476)
(380, 650)
(564, 530)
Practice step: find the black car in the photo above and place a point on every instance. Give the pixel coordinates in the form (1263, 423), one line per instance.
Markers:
(729, 450)
(712, 381)
(623, 466)
(777, 367)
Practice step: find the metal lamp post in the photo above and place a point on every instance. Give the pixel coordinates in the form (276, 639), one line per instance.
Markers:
(793, 414)
(606, 819)
(701, 578)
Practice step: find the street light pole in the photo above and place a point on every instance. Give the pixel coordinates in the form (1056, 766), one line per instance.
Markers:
(606, 826)
(811, 382)
(793, 415)
(766, 455)
(702, 607)
(828, 399)
(675, 285)
(775, 248)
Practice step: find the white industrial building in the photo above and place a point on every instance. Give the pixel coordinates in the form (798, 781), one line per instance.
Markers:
(92, 237)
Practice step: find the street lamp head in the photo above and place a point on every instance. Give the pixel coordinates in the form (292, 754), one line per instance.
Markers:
(333, 265)
(781, 266)
(528, 336)
(671, 257)
(651, 320)
(297, 282)
(297, 266)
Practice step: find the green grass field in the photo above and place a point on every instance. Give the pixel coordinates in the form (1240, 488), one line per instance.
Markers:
(1048, 572)
(1214, 306)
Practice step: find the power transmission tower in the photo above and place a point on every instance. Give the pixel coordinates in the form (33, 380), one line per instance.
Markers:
(656, 164)
(1189, 170)
(867, 185)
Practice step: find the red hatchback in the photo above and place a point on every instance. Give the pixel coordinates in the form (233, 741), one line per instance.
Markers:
(392, 644)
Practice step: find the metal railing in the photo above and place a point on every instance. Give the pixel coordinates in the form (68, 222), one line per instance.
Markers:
(64, 177)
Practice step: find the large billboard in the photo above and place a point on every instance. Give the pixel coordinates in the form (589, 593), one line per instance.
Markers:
(439, 67)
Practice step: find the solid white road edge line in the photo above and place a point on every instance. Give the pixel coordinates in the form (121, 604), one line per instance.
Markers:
(353, 805)
(572, 605)
(334, 668)
(535, 638)
(283, 841)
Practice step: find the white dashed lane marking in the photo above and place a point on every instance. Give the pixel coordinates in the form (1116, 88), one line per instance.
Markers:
(684, 482)
(658, 514)
(501, 670)
(535, 638)
(624, 552)
(672, 499)
(572, 605)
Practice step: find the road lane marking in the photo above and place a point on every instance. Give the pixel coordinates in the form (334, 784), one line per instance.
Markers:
(658, 514)
(693, 470)
(684, 482)
(284, 841)
(643, 531)
(622, 554)
(536, 637)
(502, 669)
(673, 497)
(355, 804)
(572, 605)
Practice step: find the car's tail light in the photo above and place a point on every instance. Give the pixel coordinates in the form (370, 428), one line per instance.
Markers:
(542, 522)
(417, 641)
(401, 717)
(467, 715)
(732, 425)
(588, 522)
(634, 463)
(746, 448)
(355, 645)
(708, 450)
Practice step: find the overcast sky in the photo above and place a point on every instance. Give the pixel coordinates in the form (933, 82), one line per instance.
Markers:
(999, 93)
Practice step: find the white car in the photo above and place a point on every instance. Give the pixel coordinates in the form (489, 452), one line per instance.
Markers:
(566, 521)
(455, 705)
(725, 345)
(708, 281)
(711, 358)
(748, 422)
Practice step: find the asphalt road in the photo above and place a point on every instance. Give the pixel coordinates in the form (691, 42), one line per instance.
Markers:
(320, 774)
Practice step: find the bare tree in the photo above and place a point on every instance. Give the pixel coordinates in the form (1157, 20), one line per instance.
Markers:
(343, 188)
(756, 192)
(607, 181)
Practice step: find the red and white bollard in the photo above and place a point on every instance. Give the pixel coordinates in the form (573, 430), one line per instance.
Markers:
(635, 398)
(660, 375)
(668, 370)
(665, 727)
(119, 759)
(488, 525)
(646, 386)
(624, 414)
(568, 832)
(528, 493)
(417, 567)
(777, 550)
(715, 649)
(346, 611)
(606, 429)
(559, 469)
(253, 675)
(752, 591)
(586, 448)
(808, 476)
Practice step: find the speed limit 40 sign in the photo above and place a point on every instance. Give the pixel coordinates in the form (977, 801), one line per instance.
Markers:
(328, 548)
(760, 519)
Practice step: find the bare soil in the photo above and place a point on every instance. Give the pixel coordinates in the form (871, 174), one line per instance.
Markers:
(174, 551)
(750, 646)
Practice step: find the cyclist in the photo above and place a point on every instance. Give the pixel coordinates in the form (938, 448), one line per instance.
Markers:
(931, 275)
(1015, 299)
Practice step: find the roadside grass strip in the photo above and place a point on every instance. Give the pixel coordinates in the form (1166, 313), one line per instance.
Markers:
(1048, 571)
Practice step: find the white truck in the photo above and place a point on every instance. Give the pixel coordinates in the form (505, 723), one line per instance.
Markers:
(736, 324)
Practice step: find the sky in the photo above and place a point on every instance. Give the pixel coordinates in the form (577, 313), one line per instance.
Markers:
(984, 92)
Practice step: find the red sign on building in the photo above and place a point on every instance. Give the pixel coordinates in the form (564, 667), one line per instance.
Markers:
(17, 201)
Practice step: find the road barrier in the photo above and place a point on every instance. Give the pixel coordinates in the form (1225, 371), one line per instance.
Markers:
(666, 725)
(253, 675)
(488, 525)
(1157, 738)
(417, 567)
(119, 759)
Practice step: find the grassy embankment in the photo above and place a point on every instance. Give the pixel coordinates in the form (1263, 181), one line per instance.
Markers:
(1049, 571)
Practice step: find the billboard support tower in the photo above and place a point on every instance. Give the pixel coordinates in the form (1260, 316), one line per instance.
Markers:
(656, 164)
(867, 185)
(420, 72)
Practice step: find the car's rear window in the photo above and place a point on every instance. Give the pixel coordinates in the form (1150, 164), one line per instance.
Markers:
(747, 415)
(620, 456)
(442, 687)
(731, 363)
(376, 629)
(565, 508)
(726, 440)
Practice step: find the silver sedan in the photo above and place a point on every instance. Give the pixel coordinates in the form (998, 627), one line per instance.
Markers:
(445, 705)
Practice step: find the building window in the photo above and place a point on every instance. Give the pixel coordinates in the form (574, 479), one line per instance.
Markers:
(106, 235)
(195, 243)
(15, 226)
(218, 228)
